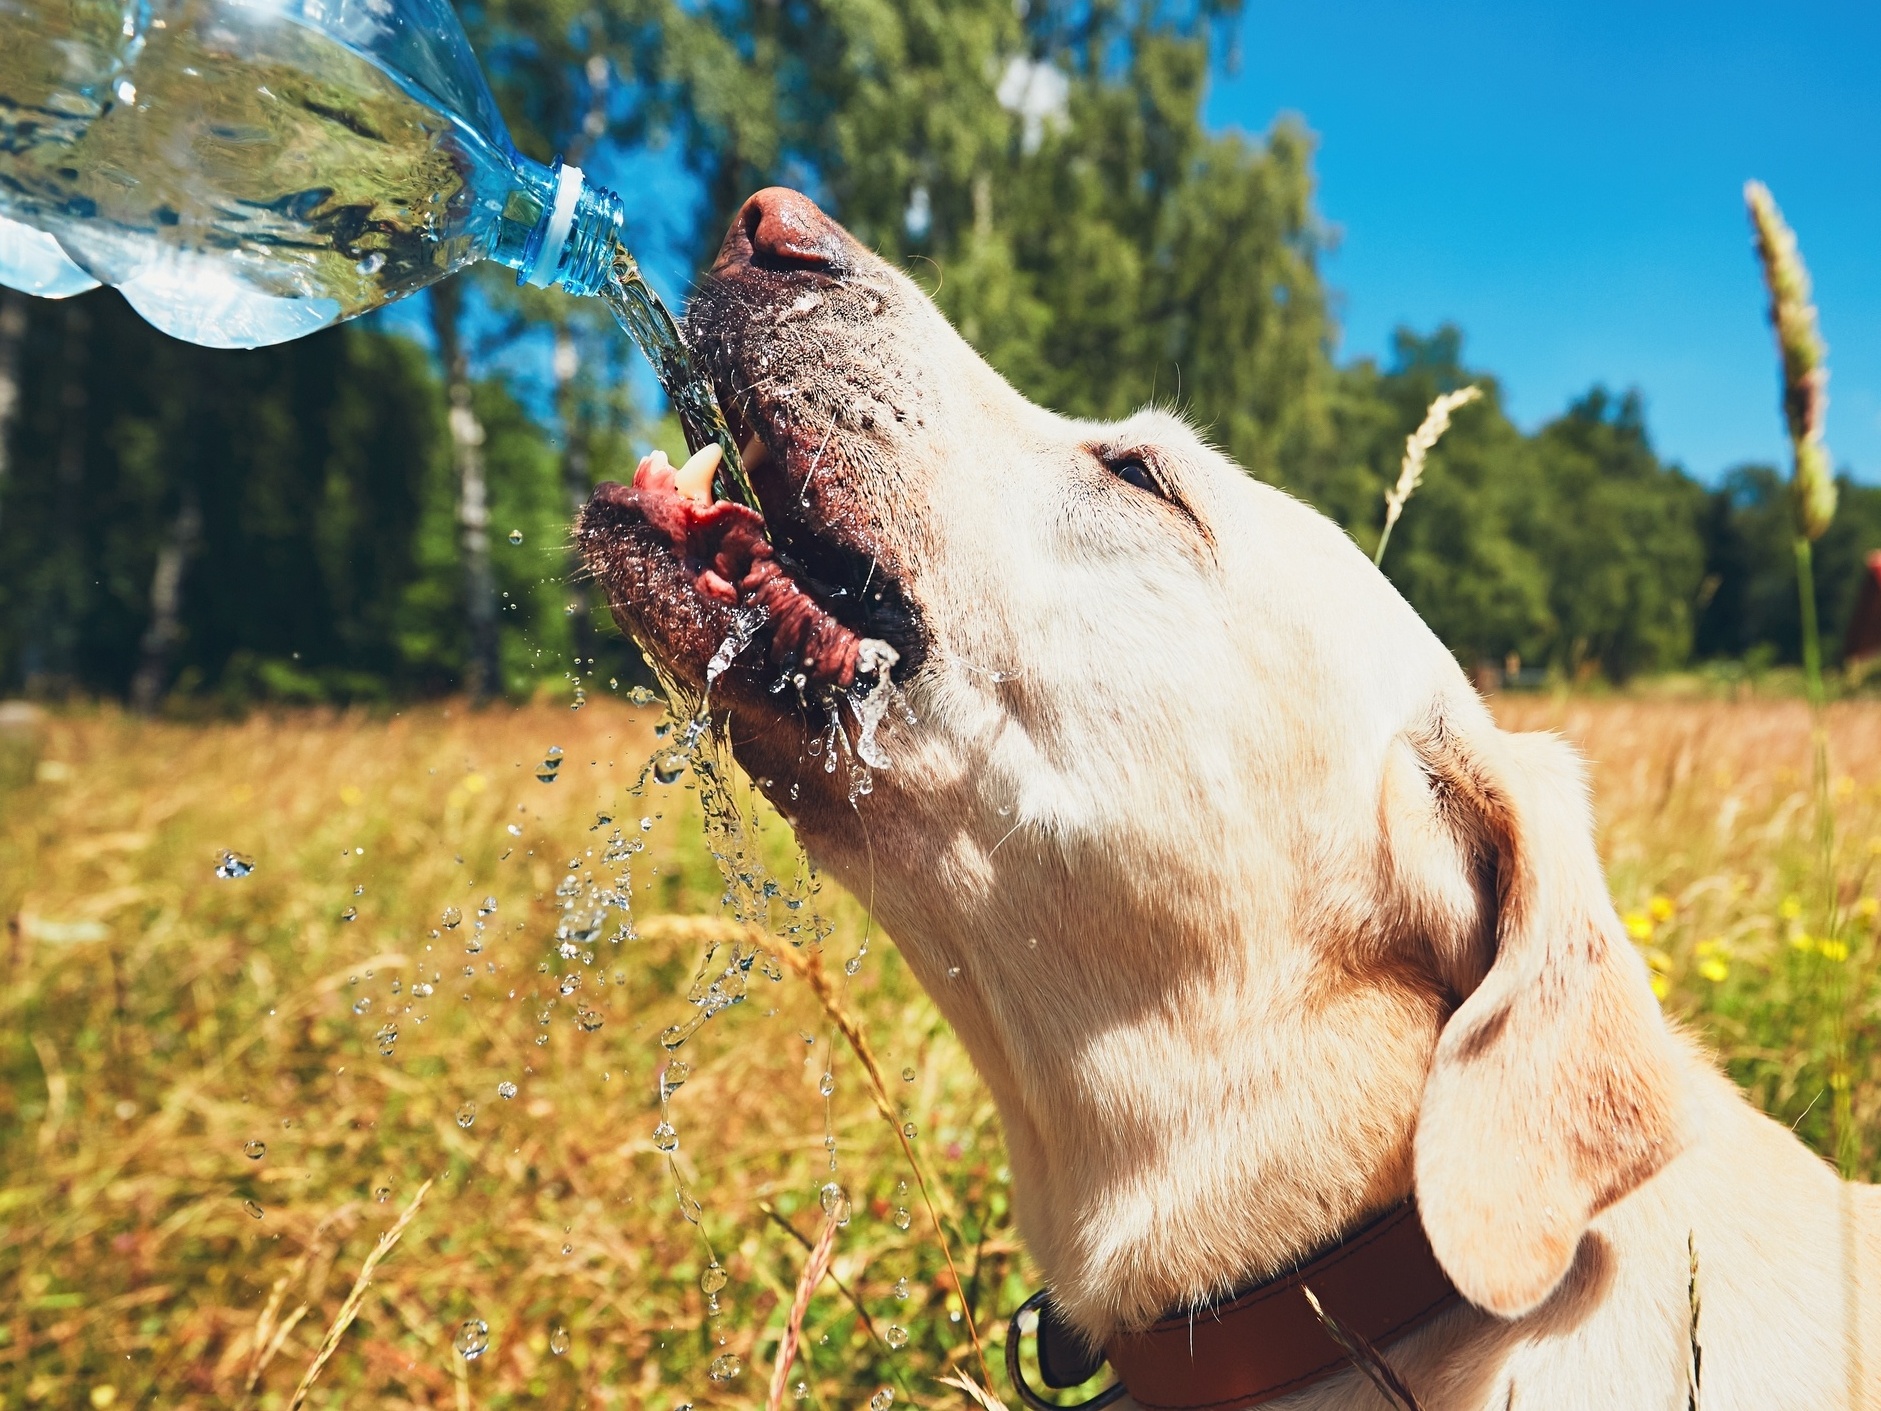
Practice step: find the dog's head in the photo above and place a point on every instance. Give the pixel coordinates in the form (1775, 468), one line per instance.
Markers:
(1196, 833)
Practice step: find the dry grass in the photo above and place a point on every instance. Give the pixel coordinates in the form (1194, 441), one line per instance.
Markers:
(158, 1018)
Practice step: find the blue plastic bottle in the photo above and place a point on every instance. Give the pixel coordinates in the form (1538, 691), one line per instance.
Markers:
(248, 171)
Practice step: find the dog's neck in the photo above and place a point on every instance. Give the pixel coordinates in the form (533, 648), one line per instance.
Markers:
(1185, 1111)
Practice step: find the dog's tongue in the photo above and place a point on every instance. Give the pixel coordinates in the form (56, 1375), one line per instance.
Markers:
(736, 564)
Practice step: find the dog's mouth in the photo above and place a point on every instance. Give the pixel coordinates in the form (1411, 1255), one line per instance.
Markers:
(791, 595)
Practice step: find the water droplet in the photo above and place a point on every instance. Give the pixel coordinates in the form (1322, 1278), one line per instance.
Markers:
(362, 1004)
(668, 768)
(907, 1075)
(714, 1278)
(902, 1218)
(908, 1130)
(546, 771)
(896, 1336)
(387, 1038)
(233, 864)
(676, 1074)
(254, 1150)
(473, 1337)
(826, 1084)
(882, 1399)
(641, 696)
(371, 264)
(724, 1367)
(570, 982)
(852, 965)
(835, 1202)
(506, 1090)
(588, 1020)
(350, 914)
(253, 1209)
(382, 1194)
(514, 832)
(665, 1138)
(452, 918)
(466, 1114)
(559, 1341)
(801, 1391)
(515, 536)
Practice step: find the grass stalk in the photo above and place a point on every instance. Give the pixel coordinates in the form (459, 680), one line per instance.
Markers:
(349, 1310)
(814, 1268)
(1364, 1356)
(1805, 376)
(1417, 449)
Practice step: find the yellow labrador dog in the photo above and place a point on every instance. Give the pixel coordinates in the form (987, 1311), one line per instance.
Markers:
(1255, 924)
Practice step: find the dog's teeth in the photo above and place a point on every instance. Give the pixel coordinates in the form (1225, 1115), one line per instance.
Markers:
(754, 453)
(694, 479)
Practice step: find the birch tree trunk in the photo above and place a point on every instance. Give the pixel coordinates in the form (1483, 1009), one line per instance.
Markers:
(166, 606)
(577, 481)
(483, 676)
(12, 335)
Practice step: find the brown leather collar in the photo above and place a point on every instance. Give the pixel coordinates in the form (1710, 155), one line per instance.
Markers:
(1380, 1283)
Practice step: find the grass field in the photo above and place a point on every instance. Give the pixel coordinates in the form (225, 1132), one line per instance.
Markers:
(163, 1024)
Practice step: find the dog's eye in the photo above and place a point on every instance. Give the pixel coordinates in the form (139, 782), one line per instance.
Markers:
(1134, 470)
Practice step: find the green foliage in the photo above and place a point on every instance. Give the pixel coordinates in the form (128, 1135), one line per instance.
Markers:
(1045, 171)
(1749, 589)
(326, 565)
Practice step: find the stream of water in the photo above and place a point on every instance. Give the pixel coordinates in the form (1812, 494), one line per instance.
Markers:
(646, 320)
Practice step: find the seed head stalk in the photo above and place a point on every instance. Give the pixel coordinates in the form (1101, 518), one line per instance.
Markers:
(1417, 447)
(1805, 371)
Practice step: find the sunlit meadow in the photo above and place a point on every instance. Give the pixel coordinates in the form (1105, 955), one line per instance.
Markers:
(204, 1129)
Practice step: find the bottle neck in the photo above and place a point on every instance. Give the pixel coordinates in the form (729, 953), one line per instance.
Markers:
(572, 241)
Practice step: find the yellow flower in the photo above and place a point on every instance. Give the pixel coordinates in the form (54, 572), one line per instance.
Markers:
(1714, 968)
(1831, 949)
(1660, 986)
(1802, 940)
(1638, 925)
(1867, 908)
(1660, 909)
(1790, 908)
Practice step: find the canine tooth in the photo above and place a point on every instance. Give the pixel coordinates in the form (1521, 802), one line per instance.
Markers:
(754, 453)
(694, 479)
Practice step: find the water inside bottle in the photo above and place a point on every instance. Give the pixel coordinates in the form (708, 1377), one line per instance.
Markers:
(250, 178)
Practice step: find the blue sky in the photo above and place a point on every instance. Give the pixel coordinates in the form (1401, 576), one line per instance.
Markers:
(1563, 181)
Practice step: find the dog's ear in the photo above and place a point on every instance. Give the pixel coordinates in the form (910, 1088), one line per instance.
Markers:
(1553, 1092)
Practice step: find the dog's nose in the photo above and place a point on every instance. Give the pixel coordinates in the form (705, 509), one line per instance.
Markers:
(782, 229)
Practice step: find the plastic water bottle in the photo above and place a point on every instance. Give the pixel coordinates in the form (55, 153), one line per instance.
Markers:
(248, 171)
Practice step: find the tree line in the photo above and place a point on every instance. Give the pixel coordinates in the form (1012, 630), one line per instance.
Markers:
(356, 516)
